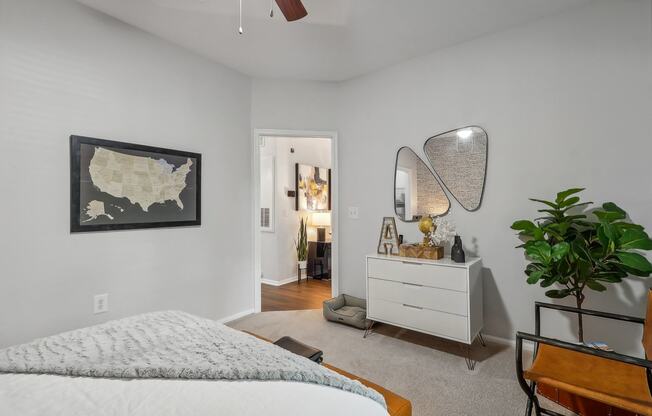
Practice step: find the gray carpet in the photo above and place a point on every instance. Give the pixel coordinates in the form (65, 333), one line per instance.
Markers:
(430, 372)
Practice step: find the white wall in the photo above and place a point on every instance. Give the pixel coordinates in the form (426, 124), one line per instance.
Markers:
(278, 254)
(65, 69)
(297, 105)
(565, 101)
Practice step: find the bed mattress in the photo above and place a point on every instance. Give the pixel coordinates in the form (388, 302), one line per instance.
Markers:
(37, 395)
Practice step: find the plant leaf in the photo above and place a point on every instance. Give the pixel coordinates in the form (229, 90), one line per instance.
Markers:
(549, 280)
(523, 225)
(557, 294)
(535, 276)
(554, 212)
(635, 261)
(559, 250)
(602, 236)
(539, 251)
(608, 231)
(611, 207)
(628, 225)
(583, 204)
(561, 196)
(550, 204)
(628, 270)
(608, 216)
(568, 202)
(634, 239)
(592, 284)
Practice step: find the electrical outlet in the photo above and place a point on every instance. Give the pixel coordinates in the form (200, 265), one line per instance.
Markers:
(353, 213)
(101, 303)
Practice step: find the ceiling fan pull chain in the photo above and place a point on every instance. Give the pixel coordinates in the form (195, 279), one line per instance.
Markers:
(271, 8)
(240, 31)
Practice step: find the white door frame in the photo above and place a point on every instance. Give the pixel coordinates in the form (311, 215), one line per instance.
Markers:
(255, 168)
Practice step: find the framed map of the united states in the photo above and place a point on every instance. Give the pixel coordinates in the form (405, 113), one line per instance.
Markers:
(118, 186)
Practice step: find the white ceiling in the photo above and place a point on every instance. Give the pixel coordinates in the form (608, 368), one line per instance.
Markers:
(338, 40)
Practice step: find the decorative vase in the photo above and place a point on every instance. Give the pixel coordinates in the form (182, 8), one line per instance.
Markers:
(457, 252)
(303, 264)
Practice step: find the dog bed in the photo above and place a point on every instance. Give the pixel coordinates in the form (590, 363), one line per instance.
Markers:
(347, 310)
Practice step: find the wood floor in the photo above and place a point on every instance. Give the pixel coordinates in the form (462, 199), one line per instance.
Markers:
(292, 296)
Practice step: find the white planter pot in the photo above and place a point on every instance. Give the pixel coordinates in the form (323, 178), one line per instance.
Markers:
(303, 264)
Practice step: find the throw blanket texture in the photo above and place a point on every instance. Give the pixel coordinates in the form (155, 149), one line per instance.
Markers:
(169, 345)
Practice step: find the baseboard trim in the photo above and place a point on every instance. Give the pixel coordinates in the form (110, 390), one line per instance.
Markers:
(528, 346)
(235, 316)
(272, 282)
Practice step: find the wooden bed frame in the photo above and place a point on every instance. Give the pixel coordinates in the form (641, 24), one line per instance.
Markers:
(396, 405)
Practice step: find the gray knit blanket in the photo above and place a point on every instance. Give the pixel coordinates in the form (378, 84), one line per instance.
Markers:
(169, 345)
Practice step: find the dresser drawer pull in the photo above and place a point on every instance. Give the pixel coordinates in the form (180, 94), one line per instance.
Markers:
(411, 262)
(412, 306)
(412, 284)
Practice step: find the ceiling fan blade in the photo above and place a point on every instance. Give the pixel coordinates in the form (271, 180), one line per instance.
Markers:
(292, 9)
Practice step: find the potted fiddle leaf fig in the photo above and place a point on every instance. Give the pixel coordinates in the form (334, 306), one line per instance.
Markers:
(571, 250)
(301, 244)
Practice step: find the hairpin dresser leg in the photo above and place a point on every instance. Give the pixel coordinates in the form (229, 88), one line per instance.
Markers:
(368, 330)
(481, 339)
(470, 363)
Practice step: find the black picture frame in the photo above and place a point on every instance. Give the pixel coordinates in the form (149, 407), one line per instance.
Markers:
(296, 187)
(75, 185)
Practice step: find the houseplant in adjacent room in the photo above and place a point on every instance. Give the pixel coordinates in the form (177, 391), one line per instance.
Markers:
(572, 248)
(301, 244)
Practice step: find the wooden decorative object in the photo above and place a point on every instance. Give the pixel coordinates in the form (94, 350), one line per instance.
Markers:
(420, 252)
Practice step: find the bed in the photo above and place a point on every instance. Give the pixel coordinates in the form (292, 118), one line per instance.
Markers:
(172, 363)
(38, 395)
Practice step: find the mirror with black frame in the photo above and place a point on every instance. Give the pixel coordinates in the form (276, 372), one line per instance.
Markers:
(459, 158)
(416, 191)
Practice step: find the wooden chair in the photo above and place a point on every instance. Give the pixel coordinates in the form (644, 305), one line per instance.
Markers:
(617, 380)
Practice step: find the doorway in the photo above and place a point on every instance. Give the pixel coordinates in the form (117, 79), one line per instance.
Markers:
(295, 180)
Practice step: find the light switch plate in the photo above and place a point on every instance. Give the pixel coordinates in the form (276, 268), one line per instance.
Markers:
(101, 303)
(353, 213)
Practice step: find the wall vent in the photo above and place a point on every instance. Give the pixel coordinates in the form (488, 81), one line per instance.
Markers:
(264, 218)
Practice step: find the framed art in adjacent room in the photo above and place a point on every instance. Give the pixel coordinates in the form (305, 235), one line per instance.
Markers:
(312, 188)
(119, 186)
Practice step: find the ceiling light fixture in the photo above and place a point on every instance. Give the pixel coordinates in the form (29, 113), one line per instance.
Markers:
(240, 31)
(271, 8)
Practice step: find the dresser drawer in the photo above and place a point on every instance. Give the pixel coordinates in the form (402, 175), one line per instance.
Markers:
(427, 297)
(436, 323)
(452, 278)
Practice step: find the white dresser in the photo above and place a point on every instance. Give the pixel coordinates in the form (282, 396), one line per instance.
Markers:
(437, 297)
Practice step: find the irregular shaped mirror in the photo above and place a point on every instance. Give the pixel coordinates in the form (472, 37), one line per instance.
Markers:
(459, 158)
(416, 191)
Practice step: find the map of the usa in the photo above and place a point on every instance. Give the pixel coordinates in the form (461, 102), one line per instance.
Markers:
(144, 181)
